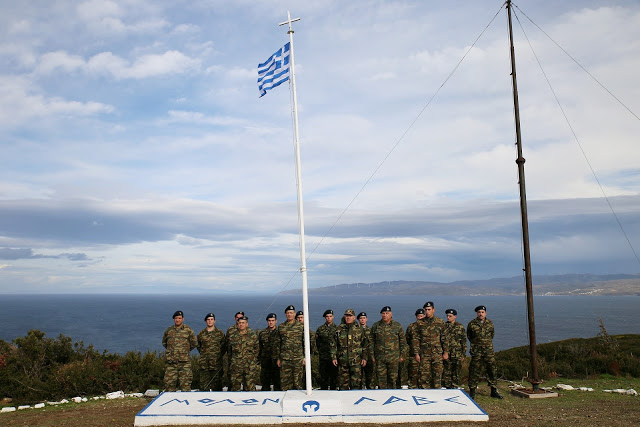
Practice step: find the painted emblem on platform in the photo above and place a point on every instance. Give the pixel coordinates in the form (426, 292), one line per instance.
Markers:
(312, 404)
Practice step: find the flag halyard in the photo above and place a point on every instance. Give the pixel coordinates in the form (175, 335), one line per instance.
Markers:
(275, 70)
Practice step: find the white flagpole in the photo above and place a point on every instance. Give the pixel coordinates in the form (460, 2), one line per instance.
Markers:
(303, 256)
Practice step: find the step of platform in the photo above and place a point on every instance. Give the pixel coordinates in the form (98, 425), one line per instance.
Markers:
(295, 406)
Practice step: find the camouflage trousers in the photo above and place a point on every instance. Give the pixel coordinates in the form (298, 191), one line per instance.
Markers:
(387, 373)
(177, 374)
(412, 374)
(350, 376)
(451, 373)
(211, 379)
(478, 364)
(430, 371)
(243, 376)
(269, 374)
(368, 376)
(291, 374)
(327, 375)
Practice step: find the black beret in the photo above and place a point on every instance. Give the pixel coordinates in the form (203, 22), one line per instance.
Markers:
(210, 315)
(420, 311)
(178, 313)
(480, 307)
(428, 304)
(361, 314)
(299, 313)
(327, 312)
(385, 308)
(240, 312)
(271, 316)
(243, 318)
(451, 311)
(289, 307)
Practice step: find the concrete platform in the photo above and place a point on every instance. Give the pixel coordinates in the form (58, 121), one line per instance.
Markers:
(294, 406)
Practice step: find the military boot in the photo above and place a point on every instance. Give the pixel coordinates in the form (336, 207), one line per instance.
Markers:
(495, 394)
(472, 393)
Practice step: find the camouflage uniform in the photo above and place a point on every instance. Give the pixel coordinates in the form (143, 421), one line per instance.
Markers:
(269, 371)
(412, 377)
(389, 344)
(368, 372)
(230, 331)
(429, 341)
(328, 374)
(179, 341)
(290, 352)
(480, 334)
(243, 360)
(212, 346)
(457, 340)
(350, 348)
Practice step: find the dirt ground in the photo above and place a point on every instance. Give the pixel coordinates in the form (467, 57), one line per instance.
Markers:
(571, 408)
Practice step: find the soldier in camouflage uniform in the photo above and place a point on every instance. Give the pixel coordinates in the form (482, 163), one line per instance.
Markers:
(230, 331)
(457, 339)
(325, 335)
(179, 340)
(368, 372)
(430, 347)
(268, 339)
(413, 363)
(312, 335)
(388, 345)
(290, 351)
(350, 351)
(243, 356)
(480, 333)
(212, 346)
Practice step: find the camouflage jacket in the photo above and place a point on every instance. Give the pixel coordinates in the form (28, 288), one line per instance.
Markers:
(268, 340)
(212, 346)
(351, 345)
(243, 348)
(480, 336)
(411, 332)
(429, 338)
(325, 335)
(179, 341)
(291, 341)
(388, 341)
(457, 340)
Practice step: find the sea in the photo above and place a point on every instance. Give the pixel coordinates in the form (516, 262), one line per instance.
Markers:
(121, 323)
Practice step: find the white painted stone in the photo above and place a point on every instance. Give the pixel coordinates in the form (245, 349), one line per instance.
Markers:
(295, 406)
(8, 409)
(64, 401)
(115, 395)
(631, 392)
(564, 387)
(76, 399)
(151, 393)
(21, 407)
(38, 405)
(134, 395)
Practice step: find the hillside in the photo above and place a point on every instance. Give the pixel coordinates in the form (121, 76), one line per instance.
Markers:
(565, 284)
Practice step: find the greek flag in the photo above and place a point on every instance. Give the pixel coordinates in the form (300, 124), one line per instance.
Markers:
(274, 70)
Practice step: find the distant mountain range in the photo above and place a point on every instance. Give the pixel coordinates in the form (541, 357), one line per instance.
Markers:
(564, 284)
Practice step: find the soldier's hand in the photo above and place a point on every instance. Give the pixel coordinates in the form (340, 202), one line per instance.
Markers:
(401, 360)
(335, 362)
(278, 363)
(417, 358)
(364, 363)
(445, 355)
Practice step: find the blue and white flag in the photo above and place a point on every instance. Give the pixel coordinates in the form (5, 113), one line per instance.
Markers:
(274, 70)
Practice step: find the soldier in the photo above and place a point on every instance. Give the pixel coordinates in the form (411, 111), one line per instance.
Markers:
(350, 351)
(290, 351)
(388, 344)
(430, 348)
(179, 340)
(413, 363)
(480, 333)
(243, 357)
(325, 335)
(312, 335)
(457, 340)
(368, 372)
(230, 331)
(268, 339)
(212, 346)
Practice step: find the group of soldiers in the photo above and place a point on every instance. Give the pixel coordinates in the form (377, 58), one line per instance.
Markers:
(351, 354)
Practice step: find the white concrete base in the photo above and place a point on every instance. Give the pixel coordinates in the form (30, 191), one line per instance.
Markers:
(295, 406)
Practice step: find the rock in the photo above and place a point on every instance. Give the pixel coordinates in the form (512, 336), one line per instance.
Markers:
(564, 387)
(96, 397)
(134, 395)
(8, 409)
(584, 389)
(38, 405)
(151, 393)
(631, 392)
(6, 400)
(64, 401)
(24, 407)
(84, 399)
(76, 399)
(115, 395)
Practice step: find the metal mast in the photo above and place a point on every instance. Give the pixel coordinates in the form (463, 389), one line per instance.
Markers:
(534, 379)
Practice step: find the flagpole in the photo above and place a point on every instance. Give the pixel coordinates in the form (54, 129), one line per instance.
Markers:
(303, 256)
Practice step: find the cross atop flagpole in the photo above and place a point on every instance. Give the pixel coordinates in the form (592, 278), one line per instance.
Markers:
(303, 256)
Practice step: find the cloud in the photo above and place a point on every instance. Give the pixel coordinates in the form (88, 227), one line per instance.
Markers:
(14, 254)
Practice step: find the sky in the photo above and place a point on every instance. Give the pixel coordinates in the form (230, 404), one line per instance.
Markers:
(137, 156)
